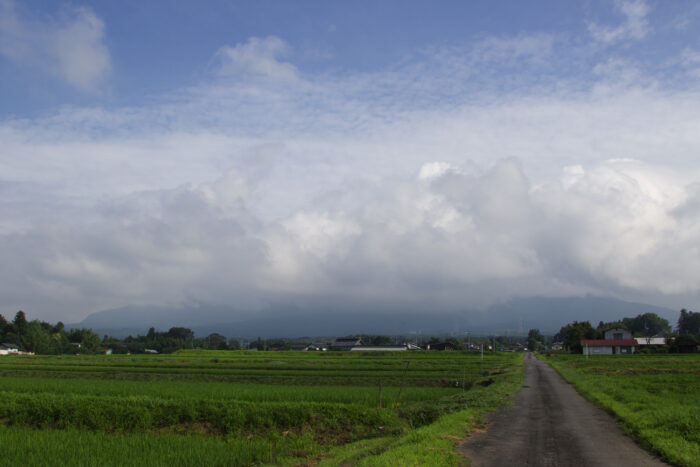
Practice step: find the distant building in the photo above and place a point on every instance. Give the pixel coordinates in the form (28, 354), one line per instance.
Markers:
(346, 343)
(151, 351)
(379, 348)
(557, 346)
(439, 346)
(617, 333)
(644, 341)
(617, 341)
(7, 349)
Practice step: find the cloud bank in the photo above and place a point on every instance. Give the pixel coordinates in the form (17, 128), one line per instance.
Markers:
(432, 182)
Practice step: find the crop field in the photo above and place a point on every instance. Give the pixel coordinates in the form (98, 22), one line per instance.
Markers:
(248, 408)
(656, 397)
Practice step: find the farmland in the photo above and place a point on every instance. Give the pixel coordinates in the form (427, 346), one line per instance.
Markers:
(243, 408)
(655, 397)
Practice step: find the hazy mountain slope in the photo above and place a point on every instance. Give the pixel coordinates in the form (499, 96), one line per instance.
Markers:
(513, 317)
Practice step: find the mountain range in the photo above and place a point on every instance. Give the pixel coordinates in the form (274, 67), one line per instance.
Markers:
(513, 317)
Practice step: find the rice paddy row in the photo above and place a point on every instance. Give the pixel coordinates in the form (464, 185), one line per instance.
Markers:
(259, 407)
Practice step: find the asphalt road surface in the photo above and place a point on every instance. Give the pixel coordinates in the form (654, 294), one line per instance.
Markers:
(552, 425)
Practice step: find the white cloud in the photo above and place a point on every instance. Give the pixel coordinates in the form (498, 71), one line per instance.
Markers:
(636, 24)
(370, 184)
(259, 57)
(432, 170)
(70, 47)
(537, 48)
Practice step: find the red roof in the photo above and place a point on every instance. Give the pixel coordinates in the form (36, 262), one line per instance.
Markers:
(609, 342)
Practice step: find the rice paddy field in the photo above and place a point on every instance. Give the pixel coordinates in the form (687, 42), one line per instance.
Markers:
(248, 408)
(655, 396)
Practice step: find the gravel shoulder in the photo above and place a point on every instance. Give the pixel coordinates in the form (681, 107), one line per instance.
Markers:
(552, 425)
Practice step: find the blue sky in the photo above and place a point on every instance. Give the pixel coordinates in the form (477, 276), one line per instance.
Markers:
(456, 153)
(157, 47)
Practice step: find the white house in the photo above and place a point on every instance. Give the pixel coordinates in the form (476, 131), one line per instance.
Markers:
(617, 341)
(7, 349)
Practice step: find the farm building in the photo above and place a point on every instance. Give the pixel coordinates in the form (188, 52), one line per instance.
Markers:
(644, 341)
(346, 343)
(617, 333)
(379, 348)
(439, 346)
(6, 349)
(557, 346)
(617, 341)
(307, 347)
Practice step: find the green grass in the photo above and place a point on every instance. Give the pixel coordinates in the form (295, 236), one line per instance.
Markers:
(362, 395)
(83, 448)
(434, 444)
(656, 397)
(244, 408)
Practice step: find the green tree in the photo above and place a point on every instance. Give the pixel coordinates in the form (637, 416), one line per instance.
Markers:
(20, 323)
(60, 343)
(4, 326)
(216, 342)
(36, 338)
(573, 333)
(534, 339)
(89, 341)
(689, 322)
(647, 324)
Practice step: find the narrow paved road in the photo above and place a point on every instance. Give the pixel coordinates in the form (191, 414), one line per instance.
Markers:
(552, 425)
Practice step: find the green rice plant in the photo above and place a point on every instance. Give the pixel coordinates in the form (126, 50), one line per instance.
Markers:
(70, 447)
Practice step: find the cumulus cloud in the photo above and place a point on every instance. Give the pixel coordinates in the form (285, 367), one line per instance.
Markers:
(332, 187)
(636, 24)
(70, 47)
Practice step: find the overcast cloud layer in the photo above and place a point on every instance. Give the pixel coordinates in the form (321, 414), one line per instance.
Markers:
(517, 165)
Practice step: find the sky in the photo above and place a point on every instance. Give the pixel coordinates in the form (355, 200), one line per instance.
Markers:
(408, 155)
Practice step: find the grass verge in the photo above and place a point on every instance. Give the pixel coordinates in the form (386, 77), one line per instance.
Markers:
(435, 443)
(655, 398)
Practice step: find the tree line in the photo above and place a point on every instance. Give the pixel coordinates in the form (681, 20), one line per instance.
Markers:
(53, 339)
(687, 330)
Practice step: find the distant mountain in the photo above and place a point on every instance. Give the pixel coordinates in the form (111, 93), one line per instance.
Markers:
(513, 317)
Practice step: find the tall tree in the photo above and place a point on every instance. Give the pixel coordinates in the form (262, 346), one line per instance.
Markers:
(573, 333)
(689, 322)
(36, 338)
(534, 338)
(20, 323)
(647, 324)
